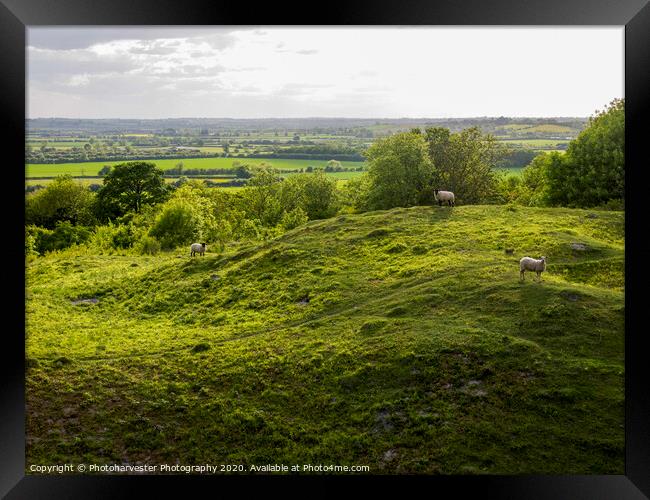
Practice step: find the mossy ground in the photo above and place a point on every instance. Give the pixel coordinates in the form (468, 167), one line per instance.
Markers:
(398, 339)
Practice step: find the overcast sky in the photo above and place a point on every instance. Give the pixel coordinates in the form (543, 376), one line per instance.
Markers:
(260, 72)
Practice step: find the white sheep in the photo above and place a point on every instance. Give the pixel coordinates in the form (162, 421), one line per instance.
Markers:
(197, 248)
(529, 264)
(444, 197)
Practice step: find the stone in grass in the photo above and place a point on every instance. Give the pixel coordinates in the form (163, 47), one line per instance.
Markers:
(92, 300)
(579, 246)
(383, 421)
(573, 297)
(61, 361)
(473, 388)
(215, 277)
(200, 347)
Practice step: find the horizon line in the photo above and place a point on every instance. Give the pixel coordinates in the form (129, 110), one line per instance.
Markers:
(303, 117)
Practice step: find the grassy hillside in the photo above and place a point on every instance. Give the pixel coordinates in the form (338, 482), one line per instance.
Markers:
(397, 339)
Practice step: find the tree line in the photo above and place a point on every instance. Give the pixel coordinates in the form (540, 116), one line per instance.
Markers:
(135, 210)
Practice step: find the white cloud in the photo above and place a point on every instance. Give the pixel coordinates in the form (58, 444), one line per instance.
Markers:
(365, 72)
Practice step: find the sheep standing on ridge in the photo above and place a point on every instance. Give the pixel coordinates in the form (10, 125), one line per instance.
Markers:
(197, 248)
(444, 197)
(528, 264)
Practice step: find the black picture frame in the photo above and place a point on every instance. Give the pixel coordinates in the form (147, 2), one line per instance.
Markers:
(15, 15)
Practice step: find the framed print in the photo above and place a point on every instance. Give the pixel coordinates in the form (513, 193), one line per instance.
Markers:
(394, 243)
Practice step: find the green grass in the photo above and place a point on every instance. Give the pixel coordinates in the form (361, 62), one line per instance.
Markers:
(536, 143)
(58, 144)
(93, 168)
(339, 175)
(402, 340)
(87, 182)
(512, 171)
(543, 128)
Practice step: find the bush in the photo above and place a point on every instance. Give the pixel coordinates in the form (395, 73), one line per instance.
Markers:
(124, 236)
(179, 223)
(114, 237)
(31, 242)
(615, 204)
(219, 231)
(293, 219)
(354, 194)
(63, 199)
(39, 240)
(147, 245)
(320, 196)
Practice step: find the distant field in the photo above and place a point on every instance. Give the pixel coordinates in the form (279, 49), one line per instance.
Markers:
(536, 142)
(548, 128)
(512, 171)
(36, 144)
(210, 149)
(337, 175)
(95, 180)
(93, 168)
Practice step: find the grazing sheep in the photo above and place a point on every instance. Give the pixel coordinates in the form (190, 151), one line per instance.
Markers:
(528, 264)
(197, 248)
(444, 197)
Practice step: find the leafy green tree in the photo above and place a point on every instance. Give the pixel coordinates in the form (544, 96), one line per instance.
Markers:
(592, 171)
(333, 166)
(129, 186)
(316, 194)
(399, 170)
(179, 223)
(465, 163)
(189, 215)
(63, 199)
(260, 197)
(534, 178)
(291, 192)
(319, 196)
(354, 194)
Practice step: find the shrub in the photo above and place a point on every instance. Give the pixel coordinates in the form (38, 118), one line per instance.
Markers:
(124, 236)
(320, 196)
(614, 204)
(147, 245)
(179, 223)
(63, 199)
(31, 241)
(39, 240)
(293, 218)
(113, 237)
